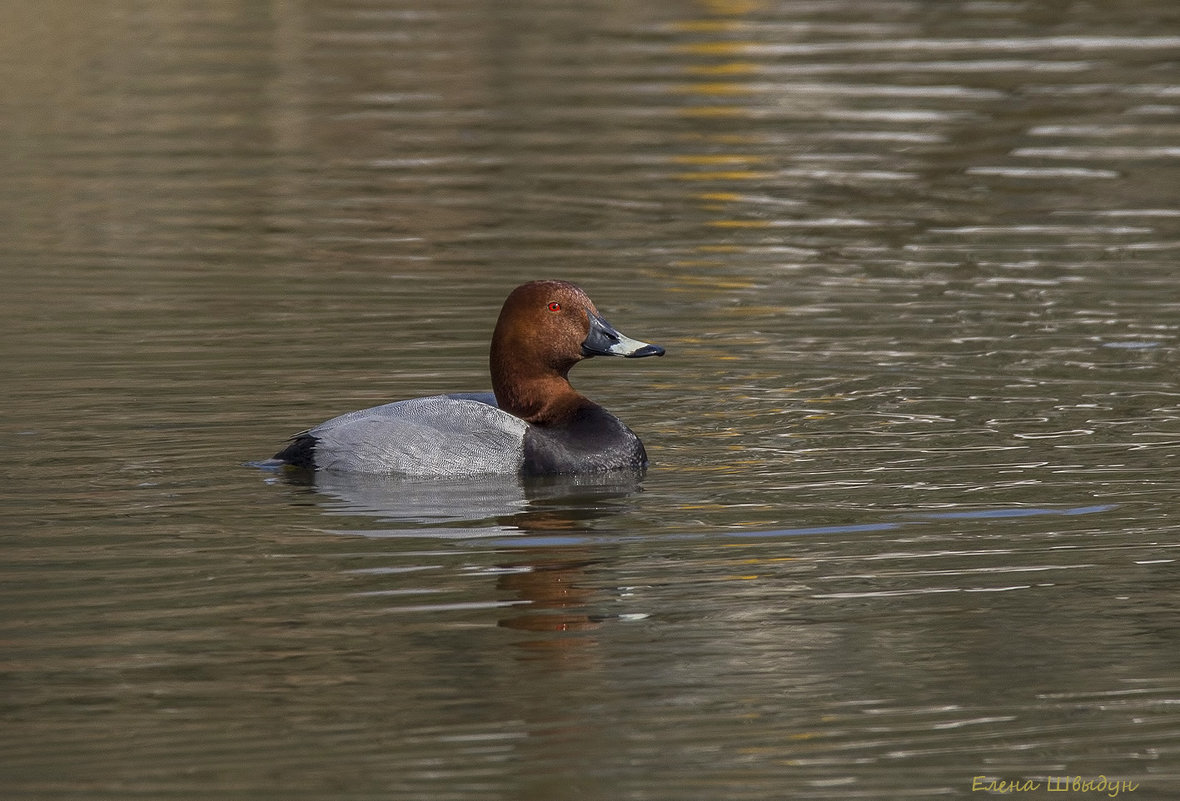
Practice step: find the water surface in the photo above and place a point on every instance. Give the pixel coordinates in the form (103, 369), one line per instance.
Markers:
(911, 514)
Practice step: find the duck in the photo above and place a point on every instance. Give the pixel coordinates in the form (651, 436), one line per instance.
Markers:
(533, 422)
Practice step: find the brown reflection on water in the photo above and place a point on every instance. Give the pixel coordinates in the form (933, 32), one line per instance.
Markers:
(553, 587)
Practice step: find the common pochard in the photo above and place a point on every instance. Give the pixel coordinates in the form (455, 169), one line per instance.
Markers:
(533, 422)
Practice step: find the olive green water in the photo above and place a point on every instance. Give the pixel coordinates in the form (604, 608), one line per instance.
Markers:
(910, 527)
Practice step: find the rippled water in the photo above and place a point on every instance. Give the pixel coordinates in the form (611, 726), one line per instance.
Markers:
(911, 517)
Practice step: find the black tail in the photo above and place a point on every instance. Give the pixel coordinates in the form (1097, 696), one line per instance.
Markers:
(300, 453)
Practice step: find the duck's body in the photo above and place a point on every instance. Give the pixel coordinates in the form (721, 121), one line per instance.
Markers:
(533, 423)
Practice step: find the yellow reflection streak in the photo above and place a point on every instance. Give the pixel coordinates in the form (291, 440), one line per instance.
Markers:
(723, 175)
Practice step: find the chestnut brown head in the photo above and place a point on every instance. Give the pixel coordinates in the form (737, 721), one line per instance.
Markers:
(545, 328)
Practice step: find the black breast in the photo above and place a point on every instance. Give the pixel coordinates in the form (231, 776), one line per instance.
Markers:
(592, 441)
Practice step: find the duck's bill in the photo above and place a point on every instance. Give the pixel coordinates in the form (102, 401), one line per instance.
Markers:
(605, 340)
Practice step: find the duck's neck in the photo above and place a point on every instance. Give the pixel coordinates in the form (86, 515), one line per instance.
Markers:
(539, 400)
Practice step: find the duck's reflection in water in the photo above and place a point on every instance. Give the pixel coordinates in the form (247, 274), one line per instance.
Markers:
(478, 506)
(555, 594)
(552, 515)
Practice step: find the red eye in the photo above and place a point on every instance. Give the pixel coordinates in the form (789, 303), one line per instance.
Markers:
(555, 306)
